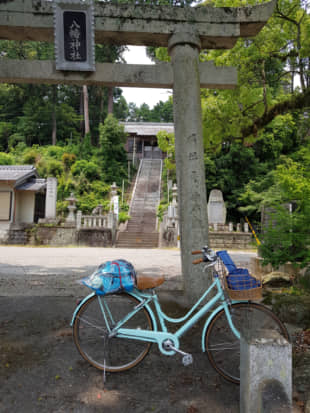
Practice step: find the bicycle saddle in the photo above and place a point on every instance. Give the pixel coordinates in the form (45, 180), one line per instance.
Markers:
(145, 281)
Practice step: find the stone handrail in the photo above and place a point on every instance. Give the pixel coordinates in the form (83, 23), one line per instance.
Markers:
(94, 221)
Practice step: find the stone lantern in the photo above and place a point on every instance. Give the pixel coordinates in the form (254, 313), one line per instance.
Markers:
(71, 207)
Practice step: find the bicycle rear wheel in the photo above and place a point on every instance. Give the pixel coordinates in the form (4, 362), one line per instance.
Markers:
(91, 335)
(223, 347)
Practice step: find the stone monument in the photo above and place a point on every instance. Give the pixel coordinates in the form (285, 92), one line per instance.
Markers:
(51, 199)
(216, 208)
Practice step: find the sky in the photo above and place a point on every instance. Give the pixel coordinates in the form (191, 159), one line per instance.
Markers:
(137, 55)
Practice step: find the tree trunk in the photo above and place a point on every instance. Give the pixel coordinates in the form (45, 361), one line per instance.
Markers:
(110, 100)
(101, 94)
(86, 113)
(54, 120)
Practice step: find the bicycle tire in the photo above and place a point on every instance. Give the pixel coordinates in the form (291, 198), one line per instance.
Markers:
(223, 347)
(90, 333)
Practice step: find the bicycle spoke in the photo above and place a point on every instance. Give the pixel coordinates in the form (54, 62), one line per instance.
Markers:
(223, 349)
(94, 341)
(91, 324)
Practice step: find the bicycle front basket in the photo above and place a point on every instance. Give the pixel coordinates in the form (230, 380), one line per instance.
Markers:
(243, 287)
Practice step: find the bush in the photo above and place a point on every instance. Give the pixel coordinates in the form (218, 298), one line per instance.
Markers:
(123, 217)
(87, 202)
(161, 209)
(55, 152)
(15, 139)
(6, 159)
(41, 167)
(31, 157)
(19, 150)
(6, 129)
(54, 168)
(89, 169)
(65, 187)
(100, 188)
(68, 160)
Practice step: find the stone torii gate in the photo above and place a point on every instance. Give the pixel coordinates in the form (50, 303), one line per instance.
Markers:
(185, 31)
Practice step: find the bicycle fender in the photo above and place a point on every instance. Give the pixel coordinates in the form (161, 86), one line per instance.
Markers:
(79, 306)
(130, 293)
(207, 323)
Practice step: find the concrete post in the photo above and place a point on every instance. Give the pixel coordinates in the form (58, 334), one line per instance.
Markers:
(78, 220)
(265, 372)
(192, 200)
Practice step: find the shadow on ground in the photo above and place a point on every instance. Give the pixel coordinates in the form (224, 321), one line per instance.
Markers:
(41, 371)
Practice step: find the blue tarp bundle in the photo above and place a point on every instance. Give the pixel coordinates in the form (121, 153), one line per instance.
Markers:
(112, 277)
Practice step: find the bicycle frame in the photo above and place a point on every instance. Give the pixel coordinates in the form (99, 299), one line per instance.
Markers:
(161, 336)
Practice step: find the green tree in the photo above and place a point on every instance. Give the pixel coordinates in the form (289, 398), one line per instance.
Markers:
(287, 237)
(162, 111)
(268, 67)
(112, 152)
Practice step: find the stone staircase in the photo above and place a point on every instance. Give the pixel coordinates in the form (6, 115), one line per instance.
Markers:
(141, 231)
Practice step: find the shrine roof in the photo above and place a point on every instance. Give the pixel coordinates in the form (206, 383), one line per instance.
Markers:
(32, 185)
(17, 173)
(147, 128)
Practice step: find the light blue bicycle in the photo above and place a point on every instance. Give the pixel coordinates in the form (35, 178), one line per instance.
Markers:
(114, 332)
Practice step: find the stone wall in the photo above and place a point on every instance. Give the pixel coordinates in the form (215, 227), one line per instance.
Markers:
(258, 268)
(53, 235)
(4, 233)
(95, 237)
(231, 240)
(57, 236)
(14, 234)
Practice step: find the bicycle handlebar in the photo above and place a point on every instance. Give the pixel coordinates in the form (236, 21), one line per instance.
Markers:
(198, 261)
(208, 255)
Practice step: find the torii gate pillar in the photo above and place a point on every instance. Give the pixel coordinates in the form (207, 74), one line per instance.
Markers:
(192, 199)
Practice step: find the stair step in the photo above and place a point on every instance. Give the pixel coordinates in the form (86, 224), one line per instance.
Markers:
(140, 231)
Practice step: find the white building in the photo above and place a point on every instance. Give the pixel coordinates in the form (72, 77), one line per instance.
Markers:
(22, 198)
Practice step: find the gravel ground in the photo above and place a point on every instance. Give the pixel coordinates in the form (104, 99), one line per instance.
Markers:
(40, 369)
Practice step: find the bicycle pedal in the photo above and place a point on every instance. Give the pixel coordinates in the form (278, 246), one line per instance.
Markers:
(187, 359)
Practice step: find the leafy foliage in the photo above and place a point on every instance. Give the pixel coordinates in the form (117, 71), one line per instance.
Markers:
(112, 151)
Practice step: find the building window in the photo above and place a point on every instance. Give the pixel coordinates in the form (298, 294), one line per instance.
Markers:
(5, 205)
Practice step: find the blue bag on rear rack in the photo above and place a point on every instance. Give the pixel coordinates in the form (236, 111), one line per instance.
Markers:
(112, 277)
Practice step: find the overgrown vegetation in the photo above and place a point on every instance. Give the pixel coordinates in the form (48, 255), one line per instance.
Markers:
(83, 169)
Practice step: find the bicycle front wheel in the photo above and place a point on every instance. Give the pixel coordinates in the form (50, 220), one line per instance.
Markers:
(223, 347)
(91, 335)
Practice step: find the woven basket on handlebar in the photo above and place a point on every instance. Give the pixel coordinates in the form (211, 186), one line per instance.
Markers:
(246, 290)
(249, 294)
